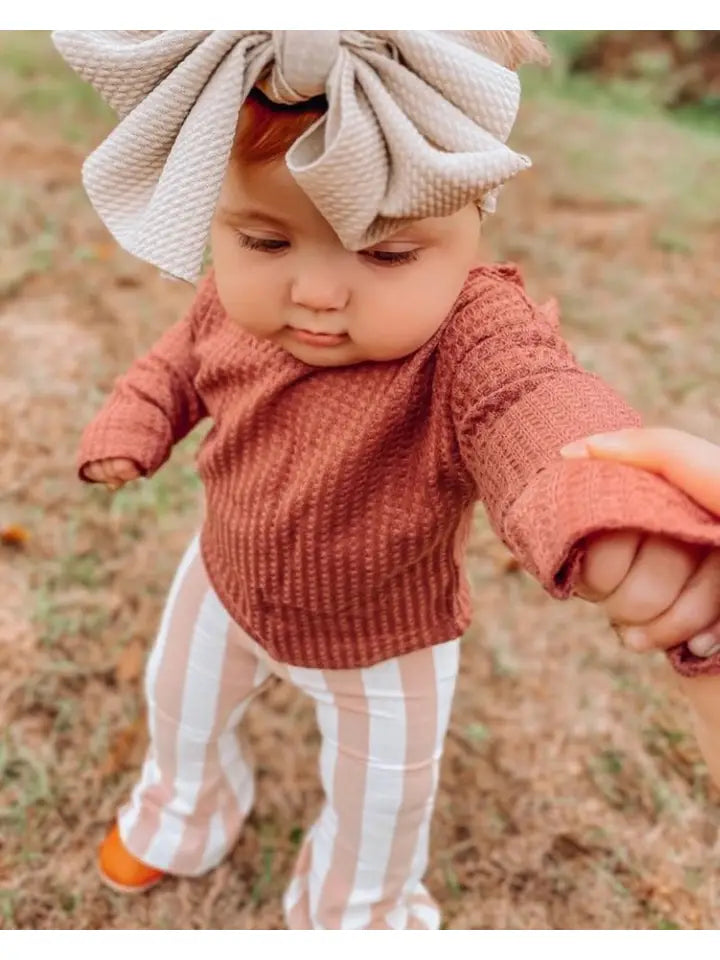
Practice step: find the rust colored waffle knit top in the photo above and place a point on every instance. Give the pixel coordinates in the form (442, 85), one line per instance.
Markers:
(339, 500)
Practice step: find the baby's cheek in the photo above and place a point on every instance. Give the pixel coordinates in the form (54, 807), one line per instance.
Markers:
(396, 338)
(249, 305)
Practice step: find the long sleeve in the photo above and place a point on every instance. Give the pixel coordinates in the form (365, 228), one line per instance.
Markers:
(518, 396)
(155, 403)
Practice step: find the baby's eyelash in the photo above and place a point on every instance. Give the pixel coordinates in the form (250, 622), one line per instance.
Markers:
(390, 258)
(264, 245)
(386, 258)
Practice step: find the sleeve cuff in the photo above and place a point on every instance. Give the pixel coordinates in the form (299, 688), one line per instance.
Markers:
(570, 500)
(139, 433)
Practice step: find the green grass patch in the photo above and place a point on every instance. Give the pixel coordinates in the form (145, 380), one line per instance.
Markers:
(477, 733)
(607, 161)
(636, 97)
(671, 241)
(36, 82)
(24, 785)
(172, 492)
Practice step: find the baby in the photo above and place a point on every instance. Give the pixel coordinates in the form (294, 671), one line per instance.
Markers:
(365, 393)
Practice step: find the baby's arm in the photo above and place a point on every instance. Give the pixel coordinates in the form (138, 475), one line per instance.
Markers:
(518, 396)
(152, 406)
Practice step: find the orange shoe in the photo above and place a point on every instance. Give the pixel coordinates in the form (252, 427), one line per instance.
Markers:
(120, 870)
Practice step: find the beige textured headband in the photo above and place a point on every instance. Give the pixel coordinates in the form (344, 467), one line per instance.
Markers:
(416, 126)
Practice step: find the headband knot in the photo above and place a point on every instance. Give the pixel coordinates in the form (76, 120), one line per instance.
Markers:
(303, 61)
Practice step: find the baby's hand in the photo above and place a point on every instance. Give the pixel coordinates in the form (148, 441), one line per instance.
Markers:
(656, 592)
(114, 472)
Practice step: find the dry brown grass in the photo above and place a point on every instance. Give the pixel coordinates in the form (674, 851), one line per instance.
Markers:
(572, 794)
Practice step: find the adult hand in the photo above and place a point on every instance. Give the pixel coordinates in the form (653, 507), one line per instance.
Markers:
(693, 465)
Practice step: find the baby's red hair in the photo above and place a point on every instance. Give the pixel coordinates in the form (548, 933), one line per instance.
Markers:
(267, 130)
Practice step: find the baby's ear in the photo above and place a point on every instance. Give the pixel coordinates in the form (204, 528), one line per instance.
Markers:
(512, 48)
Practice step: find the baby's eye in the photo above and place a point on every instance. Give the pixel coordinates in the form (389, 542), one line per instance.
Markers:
(264, 244)
(392, 258)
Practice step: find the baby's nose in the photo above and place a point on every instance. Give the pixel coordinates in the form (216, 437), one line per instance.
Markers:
(320, 290)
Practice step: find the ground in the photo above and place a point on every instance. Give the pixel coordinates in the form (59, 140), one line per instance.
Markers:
(572, 794)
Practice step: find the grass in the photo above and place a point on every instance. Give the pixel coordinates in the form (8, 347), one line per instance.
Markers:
(636, 98)
(171, 491)
(25, 782)
(36, 82)
(682, 160)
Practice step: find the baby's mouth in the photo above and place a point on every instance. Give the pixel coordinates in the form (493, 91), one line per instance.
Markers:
(313, 339)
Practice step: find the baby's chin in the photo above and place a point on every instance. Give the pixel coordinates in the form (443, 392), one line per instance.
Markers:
(313, 360)
(345, 355)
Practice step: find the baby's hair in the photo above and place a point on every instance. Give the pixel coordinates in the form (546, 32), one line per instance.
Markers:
(267, 130)
(512, 48)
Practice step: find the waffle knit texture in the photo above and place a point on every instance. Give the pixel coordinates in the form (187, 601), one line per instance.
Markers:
(339, 500)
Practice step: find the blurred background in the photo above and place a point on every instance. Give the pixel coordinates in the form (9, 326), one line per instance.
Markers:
(572, 793)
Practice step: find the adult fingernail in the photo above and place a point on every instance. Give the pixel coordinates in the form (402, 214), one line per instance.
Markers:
(635, 638)
(704, 645)
(574, 450)
(608, 441)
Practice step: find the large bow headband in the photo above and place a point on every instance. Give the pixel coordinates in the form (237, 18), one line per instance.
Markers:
(415, 127)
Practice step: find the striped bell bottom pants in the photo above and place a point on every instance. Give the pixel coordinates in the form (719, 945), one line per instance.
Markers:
(362, 862)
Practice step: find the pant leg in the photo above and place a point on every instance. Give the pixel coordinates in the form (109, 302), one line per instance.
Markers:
(383, 728)
(196, 786)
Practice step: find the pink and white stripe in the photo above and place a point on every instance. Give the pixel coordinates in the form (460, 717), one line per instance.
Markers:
(383, 727)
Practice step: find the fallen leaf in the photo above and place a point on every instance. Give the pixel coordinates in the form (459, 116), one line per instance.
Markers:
(14, 536)
(130, 663)
(126, 749)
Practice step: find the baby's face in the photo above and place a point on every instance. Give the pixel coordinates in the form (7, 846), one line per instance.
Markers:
(283, 275)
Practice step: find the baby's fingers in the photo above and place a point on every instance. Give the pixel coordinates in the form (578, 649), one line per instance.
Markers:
(693, 618)
(120, 471)
(608, 558)
(94, 471)
(114, 472)
(659, 574)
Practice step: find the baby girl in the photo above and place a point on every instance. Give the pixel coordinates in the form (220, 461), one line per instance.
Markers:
(369, 380)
